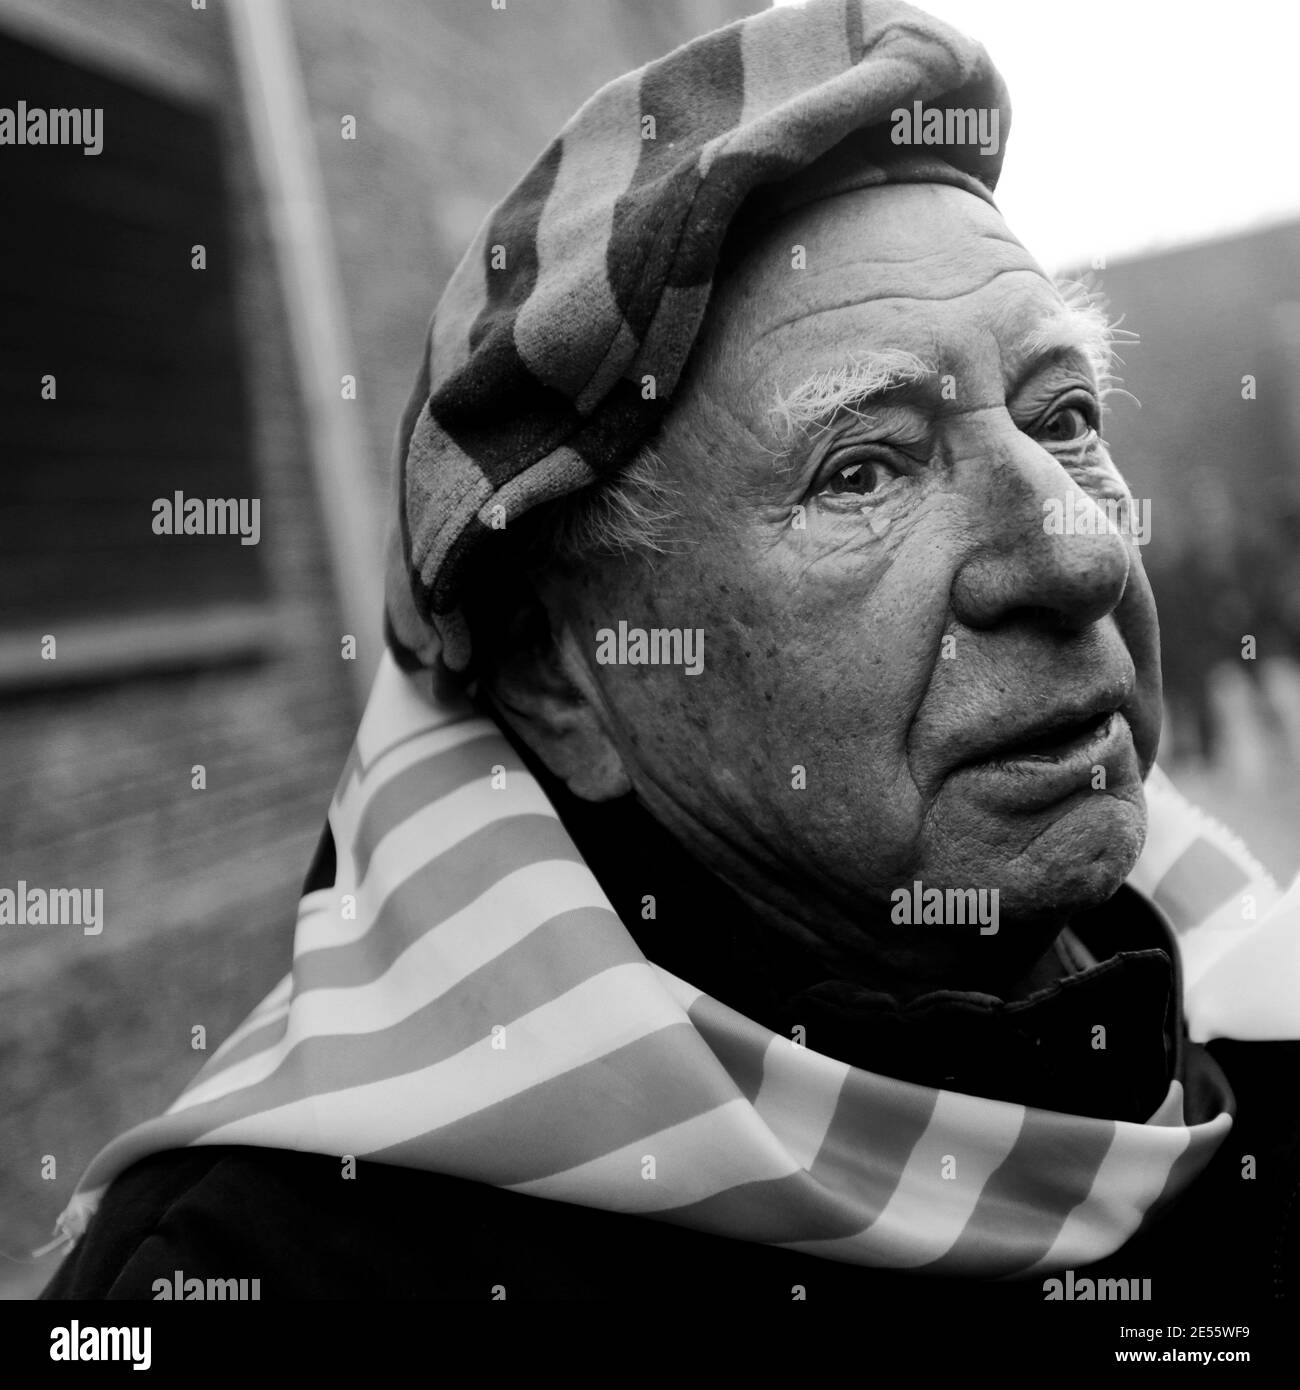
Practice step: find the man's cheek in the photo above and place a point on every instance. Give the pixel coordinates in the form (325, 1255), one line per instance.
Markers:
(1140, 629)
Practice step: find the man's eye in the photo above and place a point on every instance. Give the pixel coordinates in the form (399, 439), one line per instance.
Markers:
(1064, 425)
(858, 479)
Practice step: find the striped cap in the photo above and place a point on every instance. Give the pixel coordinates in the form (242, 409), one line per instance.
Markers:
(562, 334)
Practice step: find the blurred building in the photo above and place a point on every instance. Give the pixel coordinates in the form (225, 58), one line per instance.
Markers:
(134, 367)
(1215, 446)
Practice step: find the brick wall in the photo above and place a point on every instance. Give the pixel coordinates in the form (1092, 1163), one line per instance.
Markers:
(199, 886)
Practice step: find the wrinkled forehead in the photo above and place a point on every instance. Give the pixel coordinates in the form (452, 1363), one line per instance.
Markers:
(918, 267)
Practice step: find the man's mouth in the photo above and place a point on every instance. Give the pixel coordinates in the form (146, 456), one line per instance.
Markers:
(1054, 756)
(1055, 742)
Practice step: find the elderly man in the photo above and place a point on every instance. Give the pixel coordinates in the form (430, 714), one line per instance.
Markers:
(738, 887)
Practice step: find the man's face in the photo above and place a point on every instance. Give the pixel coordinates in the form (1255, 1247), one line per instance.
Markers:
(972, 699)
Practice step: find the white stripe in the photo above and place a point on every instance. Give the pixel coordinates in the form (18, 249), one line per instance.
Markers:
(696, 1159)
(501, 917)
(771, 79)
(440, 827)
(926, 1214)
(573, 231)
(330, 927)
(1174, 824)
(273, 1003)
(1169, 834)
(397, 708)
(1252, 993)
(799, 1096)
(1132, 1175)
(413, 843)
(607, 1012)
(352, 799)
(324, 925)
(262, 1018)
(686, 995)
(1220, 933)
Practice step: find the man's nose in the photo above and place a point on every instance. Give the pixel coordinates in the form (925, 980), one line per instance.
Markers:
(1024, 564)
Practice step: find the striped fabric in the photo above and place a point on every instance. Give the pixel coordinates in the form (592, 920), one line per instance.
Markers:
(592, 276)
(464, 1000)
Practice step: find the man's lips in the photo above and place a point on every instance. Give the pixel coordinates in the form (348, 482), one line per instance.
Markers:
(1050, 736)
(1053, 741)
(1037, 762)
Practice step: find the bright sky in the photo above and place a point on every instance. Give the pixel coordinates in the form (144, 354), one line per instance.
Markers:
(1139, 124)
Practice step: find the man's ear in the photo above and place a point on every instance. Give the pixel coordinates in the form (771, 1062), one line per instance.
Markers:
(546, 696)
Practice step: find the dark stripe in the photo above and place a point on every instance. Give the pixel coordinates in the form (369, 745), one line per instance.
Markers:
(774, 1211)
(416, 403)
(558, 956)
(513, 225)
(432, 893)
(736, 1041)
(694, 94)
(352, 770)
(652, 214)
(499, 414)
(443, 596)
(426, 782)
(877, 1124)
(1201, 879)
(409, 737)
(519, 1140)
(624, 422)
(264, 1036)
(494, 390)
(1025, 1201)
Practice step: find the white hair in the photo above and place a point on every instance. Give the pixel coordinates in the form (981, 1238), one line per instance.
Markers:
(1086, 323)
(838, 389)
(632, 514)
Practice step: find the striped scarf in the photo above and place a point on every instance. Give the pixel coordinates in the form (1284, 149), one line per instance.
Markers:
(464, 1000)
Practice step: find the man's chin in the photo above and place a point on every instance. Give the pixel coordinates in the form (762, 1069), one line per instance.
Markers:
(1077, 861)
(1055, 862)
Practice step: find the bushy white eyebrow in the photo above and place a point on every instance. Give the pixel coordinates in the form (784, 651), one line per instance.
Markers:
(1083, 325)
(1080, 324)
(847, 388)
